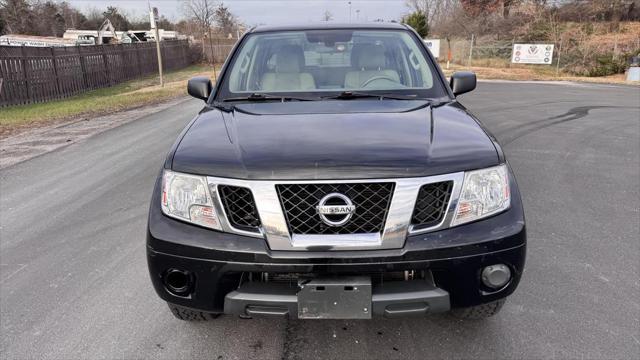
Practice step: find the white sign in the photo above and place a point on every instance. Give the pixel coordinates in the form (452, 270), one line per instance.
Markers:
(532, 54)
(434, 47)
(9, 40)
(153, 17)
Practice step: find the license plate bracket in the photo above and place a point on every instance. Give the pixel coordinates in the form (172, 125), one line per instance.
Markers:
(335, 298)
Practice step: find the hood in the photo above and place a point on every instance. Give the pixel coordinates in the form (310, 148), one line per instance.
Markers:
(355, 139)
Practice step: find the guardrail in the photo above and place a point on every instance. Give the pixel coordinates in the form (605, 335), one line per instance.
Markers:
(41, 74)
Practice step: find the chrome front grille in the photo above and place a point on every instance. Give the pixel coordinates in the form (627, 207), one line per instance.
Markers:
(431, 204)
(285, 213)
(300, 201)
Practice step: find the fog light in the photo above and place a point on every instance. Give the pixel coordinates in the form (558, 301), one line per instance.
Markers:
(496, 276)
(177, 281)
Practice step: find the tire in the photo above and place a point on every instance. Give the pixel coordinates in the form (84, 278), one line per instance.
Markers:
(187, 314)
(480, 311)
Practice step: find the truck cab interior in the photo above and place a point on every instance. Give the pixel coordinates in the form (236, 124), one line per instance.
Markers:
(341, 60)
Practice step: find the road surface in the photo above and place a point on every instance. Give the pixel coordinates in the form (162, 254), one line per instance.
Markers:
(74, 281)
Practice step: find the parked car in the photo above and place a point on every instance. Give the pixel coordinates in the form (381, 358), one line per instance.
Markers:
(333, 174)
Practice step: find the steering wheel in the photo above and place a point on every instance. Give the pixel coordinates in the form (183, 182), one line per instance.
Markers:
(377, 78)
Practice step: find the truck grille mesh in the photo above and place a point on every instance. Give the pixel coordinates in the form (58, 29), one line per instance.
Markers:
(240, 207)
(371, 200)
(431, 204)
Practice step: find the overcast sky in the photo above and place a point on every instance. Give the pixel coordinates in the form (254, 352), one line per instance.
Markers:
(254, 12)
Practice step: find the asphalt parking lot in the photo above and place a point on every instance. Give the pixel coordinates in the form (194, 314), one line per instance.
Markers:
(74, 281)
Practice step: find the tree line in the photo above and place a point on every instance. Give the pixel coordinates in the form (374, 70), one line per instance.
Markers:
(48, 18)
(480, 17)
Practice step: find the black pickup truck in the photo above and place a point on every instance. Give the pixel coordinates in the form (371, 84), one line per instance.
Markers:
(333, 174)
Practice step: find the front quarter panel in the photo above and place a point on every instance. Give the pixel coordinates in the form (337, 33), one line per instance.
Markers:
(172, 151)
(492, 137)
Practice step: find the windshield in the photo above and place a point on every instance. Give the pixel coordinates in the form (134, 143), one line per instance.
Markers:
(317, 63)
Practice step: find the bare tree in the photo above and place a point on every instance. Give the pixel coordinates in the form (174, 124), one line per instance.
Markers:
(203, 12)
(117, 17)
(73, 18)
(433, 9)
(17, 16)
(224, 19)
(94, 18)
(327, 16)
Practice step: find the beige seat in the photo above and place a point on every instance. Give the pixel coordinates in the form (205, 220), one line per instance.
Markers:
(288, 61)
(370, 61)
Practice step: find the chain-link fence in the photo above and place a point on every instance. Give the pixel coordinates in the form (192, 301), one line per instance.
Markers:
(575, 55)
(483, 52)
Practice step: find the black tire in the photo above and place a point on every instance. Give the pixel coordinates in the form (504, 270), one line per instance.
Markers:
(187, 314)
(480, 311)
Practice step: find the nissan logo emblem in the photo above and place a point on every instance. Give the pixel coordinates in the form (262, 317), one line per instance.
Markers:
(335, 209)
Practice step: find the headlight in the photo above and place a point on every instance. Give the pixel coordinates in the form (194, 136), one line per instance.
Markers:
(186, 197)
(484, 193)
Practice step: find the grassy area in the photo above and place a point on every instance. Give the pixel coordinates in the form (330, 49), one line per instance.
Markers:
(127, 95)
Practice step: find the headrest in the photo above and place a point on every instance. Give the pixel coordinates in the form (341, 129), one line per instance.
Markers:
(369, 57)
(289, 59)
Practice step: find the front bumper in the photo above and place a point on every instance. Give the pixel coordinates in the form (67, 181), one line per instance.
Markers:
(394, 299)
(229, 272)
(452, 259)
(454, 279)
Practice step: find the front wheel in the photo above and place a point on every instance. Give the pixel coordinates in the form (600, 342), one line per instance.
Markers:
(479, 311)
(187, 314)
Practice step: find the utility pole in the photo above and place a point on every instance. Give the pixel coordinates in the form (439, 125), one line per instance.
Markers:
(471, 50)
(349, 12)
(153, 18)
(357, 15)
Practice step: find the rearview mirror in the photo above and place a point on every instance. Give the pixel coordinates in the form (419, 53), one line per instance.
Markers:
(462, 82)
(199, 87)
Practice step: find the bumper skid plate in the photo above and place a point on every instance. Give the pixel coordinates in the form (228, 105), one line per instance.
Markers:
(338, 298)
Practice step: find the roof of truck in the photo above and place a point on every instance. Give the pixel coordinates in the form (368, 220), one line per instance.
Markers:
(328, 26)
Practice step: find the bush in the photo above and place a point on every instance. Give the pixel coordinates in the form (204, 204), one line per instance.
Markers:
(418, 21)
(597, 63)
(539, 31)
(606, 64)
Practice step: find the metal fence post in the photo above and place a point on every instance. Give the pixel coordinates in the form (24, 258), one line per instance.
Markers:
(448, 52)
(471, 49)
(559, 52)
(513, 44)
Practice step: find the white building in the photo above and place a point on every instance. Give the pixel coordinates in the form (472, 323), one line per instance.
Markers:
(123, 36)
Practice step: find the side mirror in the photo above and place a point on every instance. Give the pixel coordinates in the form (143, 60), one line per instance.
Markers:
(199, 87)
(462, 82)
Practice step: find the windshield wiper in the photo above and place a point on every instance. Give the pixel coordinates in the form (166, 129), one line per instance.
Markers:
(347, 95)
(263, 97)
